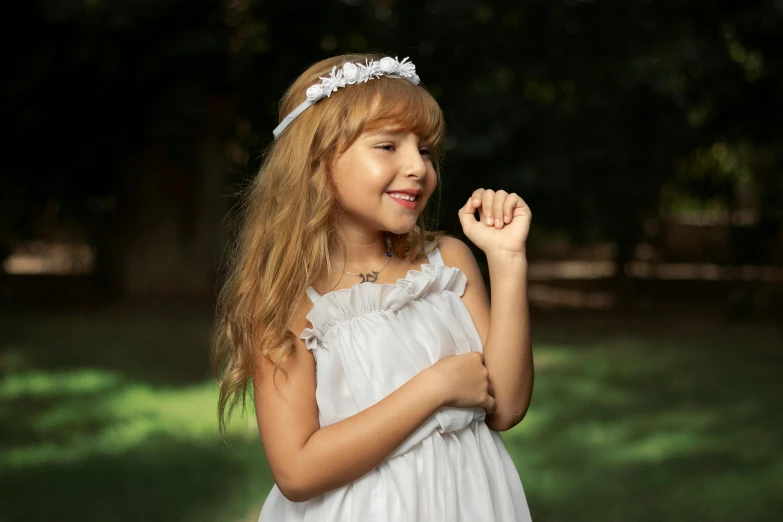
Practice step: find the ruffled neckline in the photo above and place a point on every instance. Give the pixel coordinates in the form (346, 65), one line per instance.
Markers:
(341, 305)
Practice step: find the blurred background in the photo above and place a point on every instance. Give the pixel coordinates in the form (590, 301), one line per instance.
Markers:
(645, 135)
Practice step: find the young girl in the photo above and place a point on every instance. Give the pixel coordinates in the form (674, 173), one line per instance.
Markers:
(380, 376)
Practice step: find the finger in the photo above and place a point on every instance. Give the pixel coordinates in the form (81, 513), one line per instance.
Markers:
(492, 406)
(508, 206)
(467, 214)
(521, 209)
(468, 208)
(497, 207)
(477, 197)
(486, 204)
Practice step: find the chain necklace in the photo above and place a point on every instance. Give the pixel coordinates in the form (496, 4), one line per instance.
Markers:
(373, 275)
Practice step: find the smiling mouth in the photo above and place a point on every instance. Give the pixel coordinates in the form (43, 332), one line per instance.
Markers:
(404, 197)
(404, 200)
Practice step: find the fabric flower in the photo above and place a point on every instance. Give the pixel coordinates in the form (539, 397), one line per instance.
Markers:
(350, 73)
(314, 92)
(388, 65)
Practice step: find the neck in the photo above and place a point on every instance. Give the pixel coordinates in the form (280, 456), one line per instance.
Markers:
(363, 252)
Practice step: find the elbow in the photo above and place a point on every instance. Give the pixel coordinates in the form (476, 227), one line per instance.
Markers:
(301, 486)
(498, 423)
(294, 486)
(295, 490)
(504, 421)
(509, 414)
(294, 495)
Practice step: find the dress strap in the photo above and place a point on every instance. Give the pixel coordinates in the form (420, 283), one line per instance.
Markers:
(435, 257)
(312, 294)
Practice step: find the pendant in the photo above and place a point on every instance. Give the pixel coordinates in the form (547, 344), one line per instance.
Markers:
(369, 278)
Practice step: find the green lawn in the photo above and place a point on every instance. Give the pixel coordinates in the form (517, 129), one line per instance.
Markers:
(110, 416)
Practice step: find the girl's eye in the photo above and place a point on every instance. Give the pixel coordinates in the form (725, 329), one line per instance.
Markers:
(391, 147)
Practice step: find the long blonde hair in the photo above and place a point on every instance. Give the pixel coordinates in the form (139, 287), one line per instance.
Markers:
(288, 217)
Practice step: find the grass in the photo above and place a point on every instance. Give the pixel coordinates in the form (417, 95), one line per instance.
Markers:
(110, 416)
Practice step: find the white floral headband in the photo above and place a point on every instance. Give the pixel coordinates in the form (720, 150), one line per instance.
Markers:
(349, 74)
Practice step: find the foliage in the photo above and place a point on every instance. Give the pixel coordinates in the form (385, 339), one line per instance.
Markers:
(584, 107)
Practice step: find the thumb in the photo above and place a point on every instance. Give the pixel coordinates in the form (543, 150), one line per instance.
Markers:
(467, 215)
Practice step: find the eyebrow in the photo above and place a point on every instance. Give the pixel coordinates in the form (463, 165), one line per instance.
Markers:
(395, 134)
(387, 132)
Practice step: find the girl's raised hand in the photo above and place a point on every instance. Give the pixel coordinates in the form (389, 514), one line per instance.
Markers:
(504, 221)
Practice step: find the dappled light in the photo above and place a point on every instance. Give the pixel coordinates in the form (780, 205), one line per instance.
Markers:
(644, 136)
(39, 257)
(620, 408)
(653, 421)
(100, 413)
(544, 296)
(703, 271)
(121, 435)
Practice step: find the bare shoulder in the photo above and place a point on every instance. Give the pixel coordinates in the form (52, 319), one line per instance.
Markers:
(301, 360)
(299, 320)
(457, 253)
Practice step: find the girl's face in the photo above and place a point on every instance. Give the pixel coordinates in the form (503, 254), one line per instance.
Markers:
(376, 165)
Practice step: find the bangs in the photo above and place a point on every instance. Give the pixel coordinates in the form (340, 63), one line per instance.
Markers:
(395, 105)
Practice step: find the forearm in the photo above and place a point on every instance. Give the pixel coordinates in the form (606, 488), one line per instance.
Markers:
(508, 351)
(342, 452)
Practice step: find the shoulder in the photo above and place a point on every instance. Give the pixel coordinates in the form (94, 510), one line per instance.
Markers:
(454, 248)
(457, 253)
(298, 320)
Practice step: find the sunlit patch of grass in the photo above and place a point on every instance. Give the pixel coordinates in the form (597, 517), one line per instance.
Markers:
(651, 430)
(111, 419)
(42, 384)
(117, 415)
(658, 447)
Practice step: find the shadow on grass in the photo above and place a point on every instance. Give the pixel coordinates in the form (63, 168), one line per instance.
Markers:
(161, 480)
(651, 428)
(166, 346)
(110, 417)
(92, 445)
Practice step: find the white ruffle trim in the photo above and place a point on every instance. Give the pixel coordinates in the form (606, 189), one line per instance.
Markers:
(362, 298)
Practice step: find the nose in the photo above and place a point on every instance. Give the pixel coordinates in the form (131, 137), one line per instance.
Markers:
(415, 165)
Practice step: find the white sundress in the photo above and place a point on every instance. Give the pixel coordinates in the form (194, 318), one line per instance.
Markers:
(368, 340)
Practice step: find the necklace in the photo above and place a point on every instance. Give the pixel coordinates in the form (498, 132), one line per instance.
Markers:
(372, 276)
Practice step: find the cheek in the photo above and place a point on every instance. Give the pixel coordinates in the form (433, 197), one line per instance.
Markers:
(362, 192)
(371, 176)
(431, 183)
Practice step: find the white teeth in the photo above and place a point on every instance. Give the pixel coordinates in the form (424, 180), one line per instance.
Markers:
(406, 197)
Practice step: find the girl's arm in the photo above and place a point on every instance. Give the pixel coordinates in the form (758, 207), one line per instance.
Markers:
(504, 327)
(306, 460)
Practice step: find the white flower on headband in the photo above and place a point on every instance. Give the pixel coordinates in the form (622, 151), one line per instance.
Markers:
(314, 92)
(388, 65)
(349, 74)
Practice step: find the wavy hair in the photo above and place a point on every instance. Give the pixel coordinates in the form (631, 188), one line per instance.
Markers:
(288, 218)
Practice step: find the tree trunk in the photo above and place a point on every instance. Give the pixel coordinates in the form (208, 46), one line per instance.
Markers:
(168, 236)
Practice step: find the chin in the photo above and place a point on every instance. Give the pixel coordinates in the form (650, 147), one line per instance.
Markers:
(401, 229)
